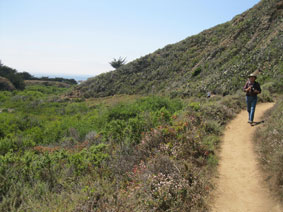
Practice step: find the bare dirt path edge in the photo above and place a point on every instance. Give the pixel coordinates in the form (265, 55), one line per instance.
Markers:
(239, 184)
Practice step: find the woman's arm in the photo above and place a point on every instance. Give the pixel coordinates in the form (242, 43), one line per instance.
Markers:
(247, 88)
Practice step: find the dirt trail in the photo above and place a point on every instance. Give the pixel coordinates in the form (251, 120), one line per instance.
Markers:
(240, 185)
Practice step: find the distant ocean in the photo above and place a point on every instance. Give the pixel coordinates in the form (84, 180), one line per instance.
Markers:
(66, 76)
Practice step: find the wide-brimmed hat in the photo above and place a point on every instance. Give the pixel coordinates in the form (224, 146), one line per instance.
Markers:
(255, 73)
(252, 75)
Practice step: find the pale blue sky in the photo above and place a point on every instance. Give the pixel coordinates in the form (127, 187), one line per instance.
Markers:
(81, 37)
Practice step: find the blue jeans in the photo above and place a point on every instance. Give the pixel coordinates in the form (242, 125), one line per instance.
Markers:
(251, 103)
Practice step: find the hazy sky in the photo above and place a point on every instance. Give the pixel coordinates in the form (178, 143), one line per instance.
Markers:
(81, 37)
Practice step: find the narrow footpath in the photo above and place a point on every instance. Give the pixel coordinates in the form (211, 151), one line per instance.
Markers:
(240, 186)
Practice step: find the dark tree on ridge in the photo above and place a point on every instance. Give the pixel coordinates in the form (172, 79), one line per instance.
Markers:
(116, 63)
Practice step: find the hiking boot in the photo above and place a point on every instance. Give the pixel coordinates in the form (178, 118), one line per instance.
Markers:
(250, 122)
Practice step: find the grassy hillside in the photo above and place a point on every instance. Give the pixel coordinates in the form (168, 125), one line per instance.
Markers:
(218, 59)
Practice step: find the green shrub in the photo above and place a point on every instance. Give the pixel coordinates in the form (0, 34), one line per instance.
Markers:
(87, 158)
(265, 96)
(194, 105)
(211, 142)
(212, 127)
(6, 145)
(196, 72)
(212, 160)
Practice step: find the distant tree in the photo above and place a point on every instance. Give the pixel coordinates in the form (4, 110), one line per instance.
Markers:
(59, 79)
(116, 63)
(26, 75)
(13, 76)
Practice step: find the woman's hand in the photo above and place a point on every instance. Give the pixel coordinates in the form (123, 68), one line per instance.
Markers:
(256, 91)
(249, 89)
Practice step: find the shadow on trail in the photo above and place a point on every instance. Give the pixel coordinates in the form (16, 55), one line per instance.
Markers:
(257, 123)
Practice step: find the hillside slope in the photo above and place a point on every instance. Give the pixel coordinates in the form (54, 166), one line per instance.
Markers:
(217, 59)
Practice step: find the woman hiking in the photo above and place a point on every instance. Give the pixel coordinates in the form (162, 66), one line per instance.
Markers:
(252, 89)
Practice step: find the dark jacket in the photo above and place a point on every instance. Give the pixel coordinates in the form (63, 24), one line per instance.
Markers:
(255, 86)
